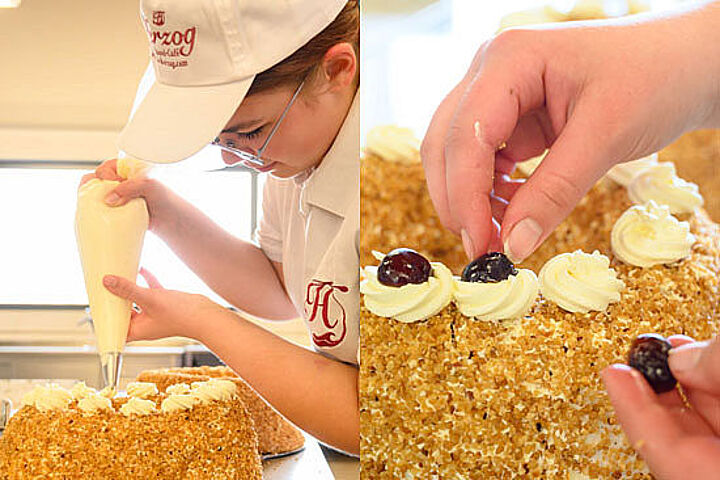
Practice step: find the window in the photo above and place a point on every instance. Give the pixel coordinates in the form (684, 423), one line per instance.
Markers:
(39, 262)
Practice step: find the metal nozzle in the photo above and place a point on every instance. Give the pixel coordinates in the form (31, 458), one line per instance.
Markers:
(111, 366)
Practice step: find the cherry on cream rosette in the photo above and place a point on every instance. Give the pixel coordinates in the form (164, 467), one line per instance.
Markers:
(405, 286)
(393, 143)
(624, 173)
(580, 282)
(661, 184)
(491, 288)
(647, 235)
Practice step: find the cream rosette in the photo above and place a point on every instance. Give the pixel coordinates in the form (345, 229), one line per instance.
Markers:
(647, 235)
(214, 390)
(80, 391)
(94, 403)
(507, 299)
(137, 406)
(141, 389)
(580, 282)
(624, 173)
(661, 184)
(412, 302)
(175, 403)
(48, 397)
(394, 144)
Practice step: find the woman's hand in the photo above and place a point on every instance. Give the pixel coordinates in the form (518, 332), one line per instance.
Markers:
(675, 441)
(594, 93)
(163, 313)
(157, 197)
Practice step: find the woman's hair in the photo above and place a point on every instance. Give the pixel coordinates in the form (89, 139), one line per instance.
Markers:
(344, 29)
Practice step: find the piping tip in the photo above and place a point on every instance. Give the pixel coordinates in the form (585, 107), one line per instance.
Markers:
(111, 366)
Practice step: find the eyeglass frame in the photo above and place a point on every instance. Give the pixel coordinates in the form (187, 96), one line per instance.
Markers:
(255, 158)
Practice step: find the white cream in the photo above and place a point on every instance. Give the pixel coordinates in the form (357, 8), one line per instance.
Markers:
(529, 166)
(412, 302)
(48, 397)
(394, 144)
(94, 403)
(128, 167)
(175, 403)
(141, 389)
(580, 282)
(110, 241)
(80, 391)
(510, 298)
(661, 184)
(647, 235)
(624, 173)
(178, 389)
(214, 390)
(137, 406)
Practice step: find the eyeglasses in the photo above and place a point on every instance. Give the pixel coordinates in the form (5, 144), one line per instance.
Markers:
(249, 154)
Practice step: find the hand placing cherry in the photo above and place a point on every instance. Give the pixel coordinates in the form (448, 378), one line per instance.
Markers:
(649, 355)
(490, 268)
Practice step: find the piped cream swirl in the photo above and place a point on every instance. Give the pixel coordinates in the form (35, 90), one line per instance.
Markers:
(394, 144)
(80, 391)
(510, 298)
(624, 173)
(178, 389)
(141, 389)
(647, 235)
(661, 184)
(580, 282)
(138, 406)
(175, 403)
(412, 302)
(93, 403)
(48, 397)
(214, 390)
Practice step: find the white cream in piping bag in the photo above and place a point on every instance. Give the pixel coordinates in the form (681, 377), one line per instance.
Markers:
(110, 241)
(394, 144)
(624, 173)
(580, 282)
(412, 302)
(647, 235)
(507, 299)
(661, 184)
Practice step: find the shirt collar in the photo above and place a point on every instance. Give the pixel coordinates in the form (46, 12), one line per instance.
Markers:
(336, 181)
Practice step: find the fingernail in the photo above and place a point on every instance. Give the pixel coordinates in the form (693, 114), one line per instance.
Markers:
(639, 379)
(467, 244)
(110, 281)
(112, 198)
(685, 357)
(522, 240)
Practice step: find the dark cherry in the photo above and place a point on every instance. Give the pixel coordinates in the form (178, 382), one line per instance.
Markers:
(649, 355)
(403, 266)
(490, 268)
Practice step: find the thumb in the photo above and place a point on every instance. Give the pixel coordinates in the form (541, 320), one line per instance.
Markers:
(697, 365)
(572, 166)
(126, 289)
(126, 191)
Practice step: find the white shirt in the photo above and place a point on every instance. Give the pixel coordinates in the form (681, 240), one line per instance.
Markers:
(312, 226)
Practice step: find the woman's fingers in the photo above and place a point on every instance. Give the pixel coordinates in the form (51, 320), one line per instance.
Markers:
(696, 365)
(108, 170)
(126, 191)
(151, 279)
(128, 290)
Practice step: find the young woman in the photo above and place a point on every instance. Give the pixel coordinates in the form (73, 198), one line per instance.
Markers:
(275, 87)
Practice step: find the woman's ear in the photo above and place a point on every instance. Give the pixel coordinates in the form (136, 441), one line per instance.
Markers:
(339, 67)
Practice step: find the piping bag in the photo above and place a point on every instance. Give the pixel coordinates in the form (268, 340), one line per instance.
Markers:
(110, 241)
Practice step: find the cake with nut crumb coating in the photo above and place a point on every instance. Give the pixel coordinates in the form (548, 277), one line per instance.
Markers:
(206, 433)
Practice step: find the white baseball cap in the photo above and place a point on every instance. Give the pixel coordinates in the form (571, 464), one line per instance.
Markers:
(205, 55)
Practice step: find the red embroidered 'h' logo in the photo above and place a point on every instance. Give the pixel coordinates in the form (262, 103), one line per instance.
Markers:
(319, 296)
(159, 18)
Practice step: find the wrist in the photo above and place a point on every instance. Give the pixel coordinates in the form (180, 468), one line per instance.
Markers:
(214, 323)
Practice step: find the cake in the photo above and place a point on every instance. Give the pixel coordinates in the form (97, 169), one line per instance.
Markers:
(275, 434)
(472, 380)
(395, 207)
(205, 433)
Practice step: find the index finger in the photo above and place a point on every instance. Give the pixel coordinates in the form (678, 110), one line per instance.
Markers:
(108, 170)
(501, 92)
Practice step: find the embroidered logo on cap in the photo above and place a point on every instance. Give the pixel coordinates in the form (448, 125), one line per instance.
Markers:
(321, 302)
(158, 18)
(171, 48)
